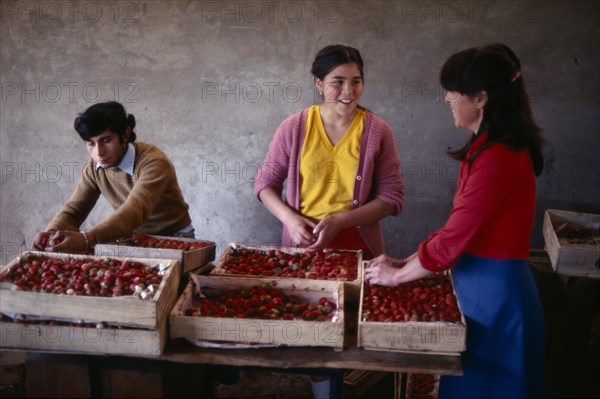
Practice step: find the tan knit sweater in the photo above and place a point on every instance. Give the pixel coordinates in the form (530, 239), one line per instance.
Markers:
(149, 202)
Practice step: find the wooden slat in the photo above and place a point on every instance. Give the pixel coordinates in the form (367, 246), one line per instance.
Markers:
(83, 340)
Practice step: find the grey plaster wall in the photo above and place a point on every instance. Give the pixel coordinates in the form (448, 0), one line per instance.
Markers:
(210, 81)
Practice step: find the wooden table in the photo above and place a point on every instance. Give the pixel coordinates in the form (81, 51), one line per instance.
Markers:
(351, 357)
(182, 362)
(181, 356)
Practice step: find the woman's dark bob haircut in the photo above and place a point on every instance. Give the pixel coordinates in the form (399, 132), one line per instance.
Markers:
(100, 117)
(507, 118)
(331, 57)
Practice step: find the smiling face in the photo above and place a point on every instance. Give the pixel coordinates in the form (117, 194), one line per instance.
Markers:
(106, 149)
(466, 110)
(341, 88)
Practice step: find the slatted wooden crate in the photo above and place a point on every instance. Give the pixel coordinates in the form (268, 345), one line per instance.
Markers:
(189, 260)
(573, 242)
(63, 338)
(438, 337)
(130, 311)
(223, 331)
(351, 287)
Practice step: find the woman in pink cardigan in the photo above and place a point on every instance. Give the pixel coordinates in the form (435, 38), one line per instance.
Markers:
(340, 162)
(341, 166)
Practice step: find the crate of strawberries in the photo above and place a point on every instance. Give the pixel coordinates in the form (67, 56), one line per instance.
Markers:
(192, 254)
(420, 316)
(299, 263)
(234, 312)
(134, 292)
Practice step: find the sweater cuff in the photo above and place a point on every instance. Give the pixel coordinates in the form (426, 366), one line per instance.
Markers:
(426, 259)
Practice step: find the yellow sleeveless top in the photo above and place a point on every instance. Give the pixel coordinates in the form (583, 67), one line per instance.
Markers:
(328, 172)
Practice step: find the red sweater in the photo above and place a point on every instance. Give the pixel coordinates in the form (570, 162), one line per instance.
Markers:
(493, 210)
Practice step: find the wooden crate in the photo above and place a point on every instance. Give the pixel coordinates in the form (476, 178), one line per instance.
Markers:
(257, 332)
(84, 340)
(128, 311)
(351, 288)
(569, 253)
(435, 337)
(189, 260)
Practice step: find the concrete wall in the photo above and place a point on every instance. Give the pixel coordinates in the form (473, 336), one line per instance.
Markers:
(210, 81)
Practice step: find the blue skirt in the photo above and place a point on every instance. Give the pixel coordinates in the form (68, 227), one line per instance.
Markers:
(504, 357)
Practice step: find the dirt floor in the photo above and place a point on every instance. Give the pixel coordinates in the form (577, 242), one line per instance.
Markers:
(266, 385)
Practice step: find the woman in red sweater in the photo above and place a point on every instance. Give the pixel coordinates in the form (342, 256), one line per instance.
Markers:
(486, 238)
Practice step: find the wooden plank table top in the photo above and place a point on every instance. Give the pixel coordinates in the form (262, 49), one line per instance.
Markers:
(351, 357)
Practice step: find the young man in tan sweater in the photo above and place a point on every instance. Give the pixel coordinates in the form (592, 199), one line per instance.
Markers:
(137, 179)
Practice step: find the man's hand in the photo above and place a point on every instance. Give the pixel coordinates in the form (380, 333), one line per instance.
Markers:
(61, 241)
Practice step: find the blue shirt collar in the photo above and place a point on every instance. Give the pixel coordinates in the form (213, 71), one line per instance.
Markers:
(126, 164)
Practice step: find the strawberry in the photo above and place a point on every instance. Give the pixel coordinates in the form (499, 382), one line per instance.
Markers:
(428, 299)
(323, 265)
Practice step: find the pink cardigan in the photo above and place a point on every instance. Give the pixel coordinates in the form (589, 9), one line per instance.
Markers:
(378, 173)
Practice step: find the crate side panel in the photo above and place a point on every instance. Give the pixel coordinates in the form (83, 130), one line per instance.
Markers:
(413, 336)
(71, 339)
